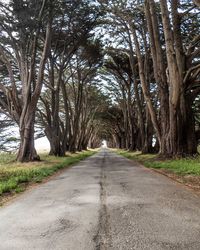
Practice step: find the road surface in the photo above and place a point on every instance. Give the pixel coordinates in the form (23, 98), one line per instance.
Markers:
(103, 203)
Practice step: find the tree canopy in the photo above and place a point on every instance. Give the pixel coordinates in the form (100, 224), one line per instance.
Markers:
(84, 71)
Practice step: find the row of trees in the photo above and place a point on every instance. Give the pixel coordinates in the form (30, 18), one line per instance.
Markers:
(49, 60)
(153, 69)
(83, 71)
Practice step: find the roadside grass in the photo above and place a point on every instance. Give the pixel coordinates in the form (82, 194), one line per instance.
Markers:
(14, 176)
(183, 166)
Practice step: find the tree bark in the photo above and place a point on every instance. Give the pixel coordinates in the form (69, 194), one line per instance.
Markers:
(181, 120)
(159, 72)
(145, 88)
(27, 150)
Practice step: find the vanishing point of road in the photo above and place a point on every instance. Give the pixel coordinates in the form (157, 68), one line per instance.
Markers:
(105, 202)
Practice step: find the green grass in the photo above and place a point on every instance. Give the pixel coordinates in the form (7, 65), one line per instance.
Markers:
(184, 166)
(14, 176)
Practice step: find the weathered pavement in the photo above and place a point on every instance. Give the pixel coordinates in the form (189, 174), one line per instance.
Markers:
(105, 202)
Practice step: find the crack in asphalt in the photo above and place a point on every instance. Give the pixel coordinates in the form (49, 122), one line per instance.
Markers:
(103, 238)
(63, 225)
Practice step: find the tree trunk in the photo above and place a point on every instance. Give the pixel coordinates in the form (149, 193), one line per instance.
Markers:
(159, 72)
(30, 94)
(55, 140)
(27, 150)
(145, 89)
(181, 143)
(147, 146)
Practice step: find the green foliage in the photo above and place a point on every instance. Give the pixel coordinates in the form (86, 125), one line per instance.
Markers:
(92, 52)
(183, 166)
(6, 159)
(7, 141)
(179, 166)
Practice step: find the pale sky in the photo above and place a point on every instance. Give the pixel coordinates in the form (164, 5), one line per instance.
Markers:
(42, 144)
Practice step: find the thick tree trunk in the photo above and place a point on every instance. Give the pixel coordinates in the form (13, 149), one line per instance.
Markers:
(27, 150)
(72, 145)
(182, 140)
(147, 146)
(55, 148)
(55, 140)
(31, 91)
(139, 142)
(159, 73)
(189, 131)
(145, 89)
(174, 80)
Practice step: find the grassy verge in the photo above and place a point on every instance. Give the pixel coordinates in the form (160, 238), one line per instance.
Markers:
(183, 167)
(14, 177)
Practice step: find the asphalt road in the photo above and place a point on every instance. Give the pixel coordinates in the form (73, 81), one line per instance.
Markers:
(103, 203)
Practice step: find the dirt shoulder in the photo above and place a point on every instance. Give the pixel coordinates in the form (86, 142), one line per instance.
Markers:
(190, 181)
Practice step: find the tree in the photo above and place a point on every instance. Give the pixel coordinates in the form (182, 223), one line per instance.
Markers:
(151, 71)
(161, 34)
(182, 74)
(24, 47)
(71, 32)
(67, 111)
(8, 141)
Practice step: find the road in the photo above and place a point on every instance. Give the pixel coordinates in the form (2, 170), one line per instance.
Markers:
(103, 203)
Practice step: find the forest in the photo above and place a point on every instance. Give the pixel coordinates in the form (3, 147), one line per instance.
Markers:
(81, 71)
